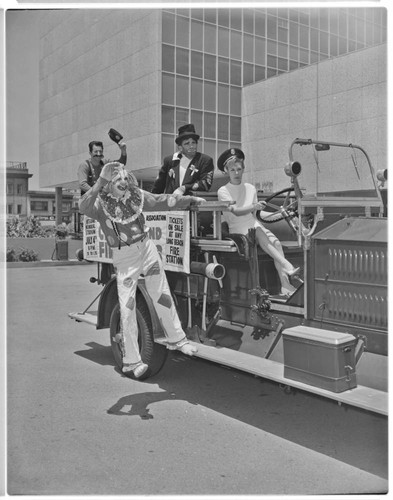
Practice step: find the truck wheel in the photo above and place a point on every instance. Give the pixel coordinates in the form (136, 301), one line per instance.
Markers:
(154, 355)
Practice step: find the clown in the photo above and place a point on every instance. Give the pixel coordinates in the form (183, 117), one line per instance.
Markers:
(117, 202)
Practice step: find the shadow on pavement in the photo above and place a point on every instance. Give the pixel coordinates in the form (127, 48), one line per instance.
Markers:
(350, 435)
(98, 354)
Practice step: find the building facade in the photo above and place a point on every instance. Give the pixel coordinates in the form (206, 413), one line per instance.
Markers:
(17, 186)
(146, 72)
(22, 202)
(43, 206)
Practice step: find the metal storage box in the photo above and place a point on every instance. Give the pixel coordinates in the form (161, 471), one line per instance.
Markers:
(320, 358)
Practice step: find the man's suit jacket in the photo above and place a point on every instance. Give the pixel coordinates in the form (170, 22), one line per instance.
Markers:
(198, 176)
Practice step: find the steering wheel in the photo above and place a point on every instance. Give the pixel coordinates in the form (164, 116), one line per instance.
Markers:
(287, 211)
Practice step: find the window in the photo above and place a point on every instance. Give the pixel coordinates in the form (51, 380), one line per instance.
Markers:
(235, 128)
(236, 73)
(182, 61)
(19, 189)
(210, 67)
(182, 91)
(167, 144)
(271, 28)
(236, 19)
(197, 64)
(196, 119)
(181, 117)
(210, 39)
(182, 30)
(10, 189)
(248, 74)
(260, 24)
(66, 206)
(236, 45)
(223, 17)
(210, 125)
(260, 50)
(196, 35)
(211, 16)
(19, 209)
(236, 101)
(248, 48)
(223, 70)
(168, 89)
(223, 42)
(9, 209)
(223, 127)
(210, 96)
(39, 206)
(168, 28)
(248, 21)
(167, 119)
(168, 58)
(196, 94)
(223, 98)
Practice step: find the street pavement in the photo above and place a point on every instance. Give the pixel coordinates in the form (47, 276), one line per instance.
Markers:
(77, 426)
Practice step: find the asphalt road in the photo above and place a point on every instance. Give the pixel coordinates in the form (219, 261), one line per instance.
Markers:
(77, 426)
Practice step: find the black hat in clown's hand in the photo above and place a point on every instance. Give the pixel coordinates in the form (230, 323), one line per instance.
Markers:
(227, 155)
(186, 131)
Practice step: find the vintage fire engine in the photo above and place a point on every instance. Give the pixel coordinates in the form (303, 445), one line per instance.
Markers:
(330, 336)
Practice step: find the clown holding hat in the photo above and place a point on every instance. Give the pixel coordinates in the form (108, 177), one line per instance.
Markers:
(117, 203)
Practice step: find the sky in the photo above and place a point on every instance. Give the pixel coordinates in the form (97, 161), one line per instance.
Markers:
(22, 94)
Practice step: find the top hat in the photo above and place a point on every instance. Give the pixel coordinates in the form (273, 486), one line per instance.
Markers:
(228, 155)
(186, 131)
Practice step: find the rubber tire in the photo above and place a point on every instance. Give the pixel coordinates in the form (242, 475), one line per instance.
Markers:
(153, 354)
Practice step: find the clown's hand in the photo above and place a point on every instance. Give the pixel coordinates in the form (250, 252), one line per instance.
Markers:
(196, 200)
(110, 169)
(179, 191)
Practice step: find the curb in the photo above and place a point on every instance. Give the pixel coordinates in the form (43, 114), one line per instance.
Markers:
(48, 263)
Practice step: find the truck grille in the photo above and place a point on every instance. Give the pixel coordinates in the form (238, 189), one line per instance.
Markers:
(351, 284)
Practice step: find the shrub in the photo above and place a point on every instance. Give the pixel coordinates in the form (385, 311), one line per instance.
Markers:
(29, 228)
(23, 255)
(11, 255)
(27, 255)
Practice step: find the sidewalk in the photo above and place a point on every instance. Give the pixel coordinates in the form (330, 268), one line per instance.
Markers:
(48, 263)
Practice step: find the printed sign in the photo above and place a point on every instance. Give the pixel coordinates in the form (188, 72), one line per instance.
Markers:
(170, 231)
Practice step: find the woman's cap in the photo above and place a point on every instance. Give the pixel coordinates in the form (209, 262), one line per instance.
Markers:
(229, 154)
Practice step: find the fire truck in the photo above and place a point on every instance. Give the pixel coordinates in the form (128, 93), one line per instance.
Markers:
(330, 336)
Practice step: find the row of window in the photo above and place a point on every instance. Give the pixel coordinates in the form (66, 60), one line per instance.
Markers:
(346, 22)
(38, 206)
(10, 209)
(209, 125)
(200, 95)
(19, 188)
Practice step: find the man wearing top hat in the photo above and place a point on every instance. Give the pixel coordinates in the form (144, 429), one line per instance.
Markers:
(187, 170)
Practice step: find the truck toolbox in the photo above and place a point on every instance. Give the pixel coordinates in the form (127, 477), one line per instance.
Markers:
(321, 358)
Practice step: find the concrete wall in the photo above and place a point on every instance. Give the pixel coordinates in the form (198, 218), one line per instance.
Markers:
(98, 69)
(43, 246)
(342, 100)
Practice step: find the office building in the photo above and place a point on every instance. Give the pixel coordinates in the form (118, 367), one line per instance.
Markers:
(146, 72)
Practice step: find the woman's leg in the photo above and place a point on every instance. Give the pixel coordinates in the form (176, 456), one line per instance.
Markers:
(272, 246)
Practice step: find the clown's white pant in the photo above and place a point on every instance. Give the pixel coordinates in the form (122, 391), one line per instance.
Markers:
(142, 258)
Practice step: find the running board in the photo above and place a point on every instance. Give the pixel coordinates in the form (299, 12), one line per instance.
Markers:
(89, 318)
(361, 396)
